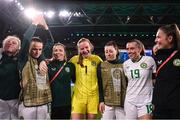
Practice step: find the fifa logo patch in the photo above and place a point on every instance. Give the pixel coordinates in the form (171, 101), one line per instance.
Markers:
(143, 65)
(176, 62)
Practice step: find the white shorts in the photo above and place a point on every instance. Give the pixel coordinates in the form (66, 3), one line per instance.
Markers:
(39, 112)
(9, 109)
(112, 113)
(133, 111)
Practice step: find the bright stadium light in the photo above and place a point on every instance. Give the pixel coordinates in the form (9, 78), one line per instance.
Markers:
(49, 14)
(31, 13)
(19, 4)
(21, 8)
(64, 13)
(77, 14)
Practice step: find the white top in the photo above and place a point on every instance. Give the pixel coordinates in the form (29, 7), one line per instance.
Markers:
(139, 74)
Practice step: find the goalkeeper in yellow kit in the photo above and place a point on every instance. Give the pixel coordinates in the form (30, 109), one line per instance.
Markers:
(85, 98)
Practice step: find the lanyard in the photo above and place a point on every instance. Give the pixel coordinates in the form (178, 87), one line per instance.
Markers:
(57, 73)
(165, 62)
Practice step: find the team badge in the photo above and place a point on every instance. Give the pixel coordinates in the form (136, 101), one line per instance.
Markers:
(176, 62)
(143, 65)
(93, 63)
(67, 69)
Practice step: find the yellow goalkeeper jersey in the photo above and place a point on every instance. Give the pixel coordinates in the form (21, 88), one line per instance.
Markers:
(86, 77)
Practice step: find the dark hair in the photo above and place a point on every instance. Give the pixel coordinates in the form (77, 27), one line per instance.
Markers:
(114, 44)
(172, 30)
(80, 60)
(36, 39)
(139, 44)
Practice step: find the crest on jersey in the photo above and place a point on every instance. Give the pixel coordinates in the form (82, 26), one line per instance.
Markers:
(93, 63)
(143, 65)
(67, 69)
(176, 62)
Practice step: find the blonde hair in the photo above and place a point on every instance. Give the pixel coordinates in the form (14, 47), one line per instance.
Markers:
(12, 37)
(80, 61)
(60, 44)
(84, 40)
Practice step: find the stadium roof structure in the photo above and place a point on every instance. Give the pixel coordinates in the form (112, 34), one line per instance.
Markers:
(98, 20)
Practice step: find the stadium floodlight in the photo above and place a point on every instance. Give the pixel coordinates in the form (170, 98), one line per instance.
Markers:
(64, 13)
(31, 13)
(49, 14)
(19, 4)
(77, 14)
(21, 8)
